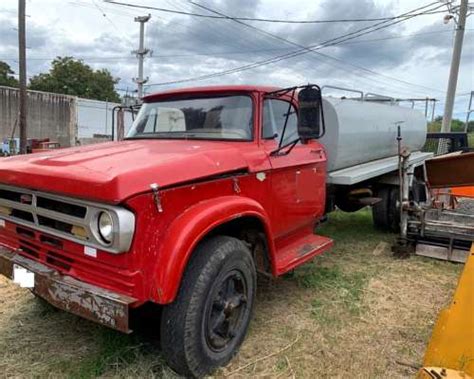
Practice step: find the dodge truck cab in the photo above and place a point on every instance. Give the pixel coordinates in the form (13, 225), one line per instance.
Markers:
(211, 186)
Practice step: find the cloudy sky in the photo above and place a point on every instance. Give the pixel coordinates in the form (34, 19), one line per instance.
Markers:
(408, 59)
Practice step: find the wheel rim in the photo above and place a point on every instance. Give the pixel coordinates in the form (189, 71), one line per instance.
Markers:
(227, 308)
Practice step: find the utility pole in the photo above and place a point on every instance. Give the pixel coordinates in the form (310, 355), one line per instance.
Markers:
(455, 62)
(141, 52)
(22, 63)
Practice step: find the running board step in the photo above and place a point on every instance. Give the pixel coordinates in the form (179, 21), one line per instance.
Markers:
(300, 251)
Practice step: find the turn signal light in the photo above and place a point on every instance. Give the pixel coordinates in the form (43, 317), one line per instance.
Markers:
(79, 232)
(5, 211)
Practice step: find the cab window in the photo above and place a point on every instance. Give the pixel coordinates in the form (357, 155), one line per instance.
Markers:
(274, 115)
(211, 118)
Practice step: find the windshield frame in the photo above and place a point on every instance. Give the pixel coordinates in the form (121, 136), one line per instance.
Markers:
(197, 96)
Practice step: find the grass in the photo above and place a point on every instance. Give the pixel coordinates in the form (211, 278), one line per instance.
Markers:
(339, 291)
(114, 349)
(352, 312)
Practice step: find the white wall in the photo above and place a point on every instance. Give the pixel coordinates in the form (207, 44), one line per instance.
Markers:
(95, 117)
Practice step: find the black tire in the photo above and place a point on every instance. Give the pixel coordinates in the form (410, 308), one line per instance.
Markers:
(380, 210)
(394, 211)
(385, 214)
(216, 295)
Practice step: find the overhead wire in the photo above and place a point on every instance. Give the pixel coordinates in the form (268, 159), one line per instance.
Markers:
(224, 31)
(110, 9)
(296, 53)
(316, 56)
(327, 56)
(227, 17)
(216, 30)
(313, 48)
(223, 53)
(281, 21)
(111, 22)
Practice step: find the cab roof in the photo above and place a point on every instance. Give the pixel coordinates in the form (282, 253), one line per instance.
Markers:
(208, 90)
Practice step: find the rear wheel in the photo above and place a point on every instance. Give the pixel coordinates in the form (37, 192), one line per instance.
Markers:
(208, 321)
(386, 213)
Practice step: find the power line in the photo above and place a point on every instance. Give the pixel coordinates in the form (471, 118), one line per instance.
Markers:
(326, 43)
(304, 47)
(270, 20)
(114, 10)
(330, 42)
(217, 31)
(402, 36)
(122, 13)
(245, 67)
(223, 53)
(258, 30)
(240, 52)
(110, 21)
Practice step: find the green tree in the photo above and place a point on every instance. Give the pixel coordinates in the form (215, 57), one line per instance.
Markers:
(6, 78)
(73, 77)
(456, 125)
(470, 126)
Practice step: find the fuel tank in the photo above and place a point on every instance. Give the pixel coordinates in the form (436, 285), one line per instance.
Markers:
(363, 131)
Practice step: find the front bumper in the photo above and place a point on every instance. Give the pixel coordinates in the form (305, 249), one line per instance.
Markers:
(64, 292)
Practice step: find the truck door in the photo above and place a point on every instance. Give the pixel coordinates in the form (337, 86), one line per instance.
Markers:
(298, 178)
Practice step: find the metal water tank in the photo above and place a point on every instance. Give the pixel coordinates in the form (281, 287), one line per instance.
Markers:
(363, 131)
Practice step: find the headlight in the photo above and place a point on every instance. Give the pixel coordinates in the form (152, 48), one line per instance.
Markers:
(106, 226)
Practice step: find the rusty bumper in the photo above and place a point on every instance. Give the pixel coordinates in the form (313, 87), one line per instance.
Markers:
(64, 292)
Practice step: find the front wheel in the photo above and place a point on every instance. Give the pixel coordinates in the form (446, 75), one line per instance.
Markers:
(206, 324)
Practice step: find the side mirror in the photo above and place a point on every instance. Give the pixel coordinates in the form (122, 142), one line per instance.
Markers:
(310, 115)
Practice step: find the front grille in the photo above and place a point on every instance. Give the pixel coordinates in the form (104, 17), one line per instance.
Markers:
(22, 232)
(67, 257)
(61, 207)
(39, 210)
(55, 224)
(10, 195)
(29, 249)
(51, 241)
(68, 218)
(23, 215)
(59, 261)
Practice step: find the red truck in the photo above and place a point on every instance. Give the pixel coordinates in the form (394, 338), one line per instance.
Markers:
(211, 186)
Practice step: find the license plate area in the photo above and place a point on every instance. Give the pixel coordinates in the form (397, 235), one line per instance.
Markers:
(23, 277)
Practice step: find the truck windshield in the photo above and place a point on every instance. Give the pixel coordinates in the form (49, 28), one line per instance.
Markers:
(215, 118)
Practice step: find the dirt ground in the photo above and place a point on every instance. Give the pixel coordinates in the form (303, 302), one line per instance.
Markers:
(354, 312)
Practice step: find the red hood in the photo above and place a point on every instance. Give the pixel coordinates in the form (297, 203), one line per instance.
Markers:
(114, 171)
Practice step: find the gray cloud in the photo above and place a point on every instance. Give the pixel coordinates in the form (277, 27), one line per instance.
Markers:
(175, 36)
(37, 36)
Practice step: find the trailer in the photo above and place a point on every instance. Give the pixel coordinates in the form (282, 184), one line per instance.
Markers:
(443, 226)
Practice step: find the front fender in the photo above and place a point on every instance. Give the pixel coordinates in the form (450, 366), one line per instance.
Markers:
(188, 230)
